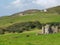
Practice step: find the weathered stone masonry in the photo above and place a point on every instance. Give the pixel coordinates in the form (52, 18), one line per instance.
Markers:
(49, 29)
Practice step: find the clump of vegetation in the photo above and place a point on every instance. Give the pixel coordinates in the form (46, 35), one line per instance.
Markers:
(2, 31)
(24, 26)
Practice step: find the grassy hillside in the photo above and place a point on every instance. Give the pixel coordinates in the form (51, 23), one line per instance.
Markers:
(33, 39)
(32, 15)
(30, 37)
(41, 17)
(54, 10)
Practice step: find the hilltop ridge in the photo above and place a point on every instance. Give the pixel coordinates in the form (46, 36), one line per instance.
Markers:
(31, 11)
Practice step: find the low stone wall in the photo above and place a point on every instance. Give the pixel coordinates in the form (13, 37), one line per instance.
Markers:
(49, 29)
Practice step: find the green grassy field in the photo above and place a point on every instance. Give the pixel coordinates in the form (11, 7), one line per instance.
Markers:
(42, 17)
(33, 39)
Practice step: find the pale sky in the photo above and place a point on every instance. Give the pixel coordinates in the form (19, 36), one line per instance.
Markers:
(8, 7)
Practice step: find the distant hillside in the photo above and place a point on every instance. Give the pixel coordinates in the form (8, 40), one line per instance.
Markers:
(27, 12)
(32, 15)
(54, 10)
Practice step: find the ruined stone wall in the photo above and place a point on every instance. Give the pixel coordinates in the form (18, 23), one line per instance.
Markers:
(49, 29)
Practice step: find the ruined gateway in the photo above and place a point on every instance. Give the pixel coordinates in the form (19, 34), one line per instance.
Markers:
(46, 29)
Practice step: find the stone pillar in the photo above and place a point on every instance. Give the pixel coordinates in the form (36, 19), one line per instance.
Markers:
(56, 29)
(53, 29)
(43, 30)
(47, 29)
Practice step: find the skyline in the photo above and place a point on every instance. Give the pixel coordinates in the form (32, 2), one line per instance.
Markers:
(8, 7)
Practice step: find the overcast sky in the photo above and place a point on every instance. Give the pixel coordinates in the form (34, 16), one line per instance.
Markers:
(8, 7)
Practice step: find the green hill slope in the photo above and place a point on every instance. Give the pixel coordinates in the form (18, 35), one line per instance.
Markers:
(30, 37)
(32, 15)
(54, 10)
(41, 17)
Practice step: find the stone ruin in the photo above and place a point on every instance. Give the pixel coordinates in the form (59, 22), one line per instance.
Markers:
(46, 29)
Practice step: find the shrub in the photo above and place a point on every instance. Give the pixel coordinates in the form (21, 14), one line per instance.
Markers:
(24, 26)
(2, 31)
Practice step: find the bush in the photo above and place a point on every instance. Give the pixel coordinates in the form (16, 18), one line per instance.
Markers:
(2, 31)
(24, 26)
